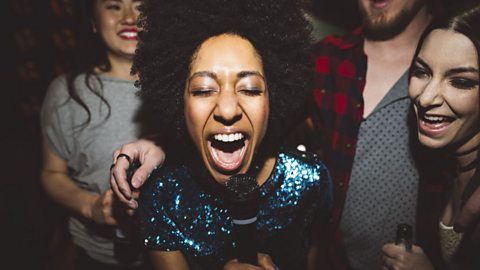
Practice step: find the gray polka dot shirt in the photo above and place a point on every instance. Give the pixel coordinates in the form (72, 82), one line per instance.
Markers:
(383, 185)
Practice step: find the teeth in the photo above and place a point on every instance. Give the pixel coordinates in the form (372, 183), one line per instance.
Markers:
(129, 34)
(434, 118)
(228, 137)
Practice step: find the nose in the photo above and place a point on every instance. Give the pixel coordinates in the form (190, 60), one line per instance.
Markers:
(130, 15)
(431, 95)
(228, 109)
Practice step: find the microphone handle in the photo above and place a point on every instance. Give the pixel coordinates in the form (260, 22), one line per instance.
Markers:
(245, 232)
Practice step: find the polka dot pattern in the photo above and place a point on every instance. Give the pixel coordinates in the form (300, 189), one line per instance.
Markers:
(383, 185)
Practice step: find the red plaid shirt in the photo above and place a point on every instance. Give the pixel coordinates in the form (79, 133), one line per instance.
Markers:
(340, 70)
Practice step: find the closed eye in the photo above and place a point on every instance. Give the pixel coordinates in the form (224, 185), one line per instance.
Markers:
(463, 83)
(202, 92)
(418, 71)
(252, 91)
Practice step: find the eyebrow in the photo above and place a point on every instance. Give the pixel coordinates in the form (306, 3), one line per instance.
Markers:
(450, 71)
(422, 62)
(241, 74)
(461, 70)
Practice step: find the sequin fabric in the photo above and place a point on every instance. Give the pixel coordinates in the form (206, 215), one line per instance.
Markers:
(178, 214)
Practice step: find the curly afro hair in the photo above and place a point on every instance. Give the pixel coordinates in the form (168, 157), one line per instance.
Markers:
(173, 32)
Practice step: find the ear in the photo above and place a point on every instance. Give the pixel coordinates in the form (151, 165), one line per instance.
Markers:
(94, 27)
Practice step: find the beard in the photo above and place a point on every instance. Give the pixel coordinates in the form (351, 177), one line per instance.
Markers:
(379, 27)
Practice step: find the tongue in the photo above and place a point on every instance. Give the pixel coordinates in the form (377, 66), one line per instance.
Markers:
(227, 159)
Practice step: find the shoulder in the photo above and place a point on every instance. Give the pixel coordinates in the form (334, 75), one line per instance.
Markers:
(57, 87)
(306, 165)
(302, 158)
(167, 181)
(307, 170)
(56, 96)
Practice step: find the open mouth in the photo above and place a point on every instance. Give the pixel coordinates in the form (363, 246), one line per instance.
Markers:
(227, 151)
(434, 124)
(379, 3)
(129, 34)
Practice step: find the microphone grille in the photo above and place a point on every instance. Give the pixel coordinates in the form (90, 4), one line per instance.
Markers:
(242, 186)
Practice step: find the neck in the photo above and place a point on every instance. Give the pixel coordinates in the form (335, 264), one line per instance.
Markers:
(266, 170)
(467, 155)
(404, 44)
(120, 67)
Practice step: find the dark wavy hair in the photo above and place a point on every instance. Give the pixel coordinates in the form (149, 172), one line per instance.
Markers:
(90, 53)
(173, 32)
(437, 167)
(463, 18)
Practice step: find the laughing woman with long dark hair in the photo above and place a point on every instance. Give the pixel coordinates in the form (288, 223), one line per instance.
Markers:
(444, 88)
(87, 114)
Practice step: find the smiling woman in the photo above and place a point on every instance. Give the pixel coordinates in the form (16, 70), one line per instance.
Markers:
(444, 88)
(234, 73)
(445, 92)
(95, 98)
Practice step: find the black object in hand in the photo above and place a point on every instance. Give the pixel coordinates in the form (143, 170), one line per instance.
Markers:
(126, 242)
(244, 197)
(404, 236)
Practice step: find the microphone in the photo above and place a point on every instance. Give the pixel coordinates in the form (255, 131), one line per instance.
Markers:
(127, 245)
(244, 198)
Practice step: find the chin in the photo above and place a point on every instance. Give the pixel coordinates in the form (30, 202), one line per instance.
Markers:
(431, 142)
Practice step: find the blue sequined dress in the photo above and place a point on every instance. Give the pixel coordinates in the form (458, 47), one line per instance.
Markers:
(177, 213)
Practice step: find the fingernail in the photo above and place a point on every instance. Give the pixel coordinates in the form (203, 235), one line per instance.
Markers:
(135, 183)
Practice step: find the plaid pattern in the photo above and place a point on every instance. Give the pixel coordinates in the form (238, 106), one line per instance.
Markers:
(340, 70)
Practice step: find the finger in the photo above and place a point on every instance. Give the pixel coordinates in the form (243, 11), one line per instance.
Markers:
(265, 261)
(149, 161)
(115, 155)
(116, 191)
(388, 263)
(417, 249)
(470, 213)
(141, 174)
(392, 251)
(107, 207)
(109, 220)
(119, 174)
(132, 203)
